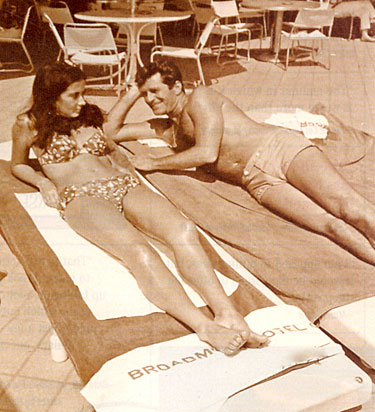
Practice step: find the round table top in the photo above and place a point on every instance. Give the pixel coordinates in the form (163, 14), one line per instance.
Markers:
(280, 5)
(121, 15)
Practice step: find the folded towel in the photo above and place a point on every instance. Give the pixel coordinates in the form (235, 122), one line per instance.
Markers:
(313, 126)
(187, 375)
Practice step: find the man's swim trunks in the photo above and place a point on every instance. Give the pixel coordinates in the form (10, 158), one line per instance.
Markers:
(112, 189)
(268, 166)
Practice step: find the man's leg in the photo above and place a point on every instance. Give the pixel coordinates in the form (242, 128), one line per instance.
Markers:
(362, 9)
(293, 205)
(314, 175)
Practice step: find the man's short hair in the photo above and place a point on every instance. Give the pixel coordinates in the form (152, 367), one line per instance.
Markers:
(168, 70)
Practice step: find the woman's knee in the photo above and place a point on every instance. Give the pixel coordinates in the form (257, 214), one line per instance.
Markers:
(142, 256)
(351, 207)
(333, 227)
(185, 233)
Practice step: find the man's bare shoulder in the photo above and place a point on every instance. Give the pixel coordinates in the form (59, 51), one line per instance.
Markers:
(202, 95)
(204, 92)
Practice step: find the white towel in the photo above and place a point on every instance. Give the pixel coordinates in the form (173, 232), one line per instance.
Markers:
(108, 288)
(187, 375)
(313, 126)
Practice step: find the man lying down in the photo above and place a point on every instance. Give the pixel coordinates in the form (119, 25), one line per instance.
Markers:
(100, 196)
(280, 168)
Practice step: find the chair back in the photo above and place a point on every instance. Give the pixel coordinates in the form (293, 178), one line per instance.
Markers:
(16, 34)
(92, 37)
(59, 13)
(315, 18)
(55, 33)
(26, 21)
(203, 38)
(224, 9)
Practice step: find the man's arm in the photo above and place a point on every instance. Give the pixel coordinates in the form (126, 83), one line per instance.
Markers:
(115, 128)
(205, 111)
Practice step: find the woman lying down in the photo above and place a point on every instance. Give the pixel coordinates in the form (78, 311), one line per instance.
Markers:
(101, 198)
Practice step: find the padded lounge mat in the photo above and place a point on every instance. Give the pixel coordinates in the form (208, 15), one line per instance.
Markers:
(89, 342)
(302, 268)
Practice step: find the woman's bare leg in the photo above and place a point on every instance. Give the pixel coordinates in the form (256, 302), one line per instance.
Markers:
(161, 219)
(295, 206)
(313, 174)
(101, 223)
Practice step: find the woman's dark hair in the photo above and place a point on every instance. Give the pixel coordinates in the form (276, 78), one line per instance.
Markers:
(168, 70)
(51, 80)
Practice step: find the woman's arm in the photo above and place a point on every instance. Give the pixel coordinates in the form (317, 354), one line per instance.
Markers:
(116, 129)
(22, 138)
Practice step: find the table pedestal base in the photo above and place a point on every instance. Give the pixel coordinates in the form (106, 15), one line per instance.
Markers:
(270, 57)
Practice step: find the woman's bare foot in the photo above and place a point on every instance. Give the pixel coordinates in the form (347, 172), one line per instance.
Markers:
(234, 320)
(226, 340)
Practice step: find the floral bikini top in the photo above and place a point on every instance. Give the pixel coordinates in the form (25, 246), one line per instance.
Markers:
(64, 148)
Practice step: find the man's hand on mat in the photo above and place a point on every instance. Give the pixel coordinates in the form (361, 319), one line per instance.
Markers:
(49, 193)
(143, 162)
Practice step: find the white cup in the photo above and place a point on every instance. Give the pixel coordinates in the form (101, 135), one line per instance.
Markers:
(58, 353)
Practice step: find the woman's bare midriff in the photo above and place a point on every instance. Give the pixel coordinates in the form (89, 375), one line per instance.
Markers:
(82, 169)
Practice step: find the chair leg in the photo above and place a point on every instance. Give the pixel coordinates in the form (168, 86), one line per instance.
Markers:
(290, 45)
(248, 46)
(236, 47)
(264, 25)
(351, 27)
(19, 66)
(219, 53)
(158, 30)
(200, 71)
(329, 54)
(28, 58)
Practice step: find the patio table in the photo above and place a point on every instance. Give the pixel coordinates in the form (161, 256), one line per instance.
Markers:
(278, 7)
(136, 21)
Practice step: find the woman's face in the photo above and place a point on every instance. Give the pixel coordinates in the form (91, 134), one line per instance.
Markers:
(70, 101)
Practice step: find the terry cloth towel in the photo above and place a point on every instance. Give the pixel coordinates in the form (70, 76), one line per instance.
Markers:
(187, 375)
(280, 254)
(313, 126)
(107, 287)
(91, 342)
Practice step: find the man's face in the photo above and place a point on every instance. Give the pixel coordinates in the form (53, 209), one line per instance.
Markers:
(158, 95)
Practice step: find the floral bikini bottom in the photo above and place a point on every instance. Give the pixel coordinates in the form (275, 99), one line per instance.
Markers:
(113, 189)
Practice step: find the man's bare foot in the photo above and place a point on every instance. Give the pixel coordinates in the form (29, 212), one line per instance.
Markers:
(234, 320)
(226, 340)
